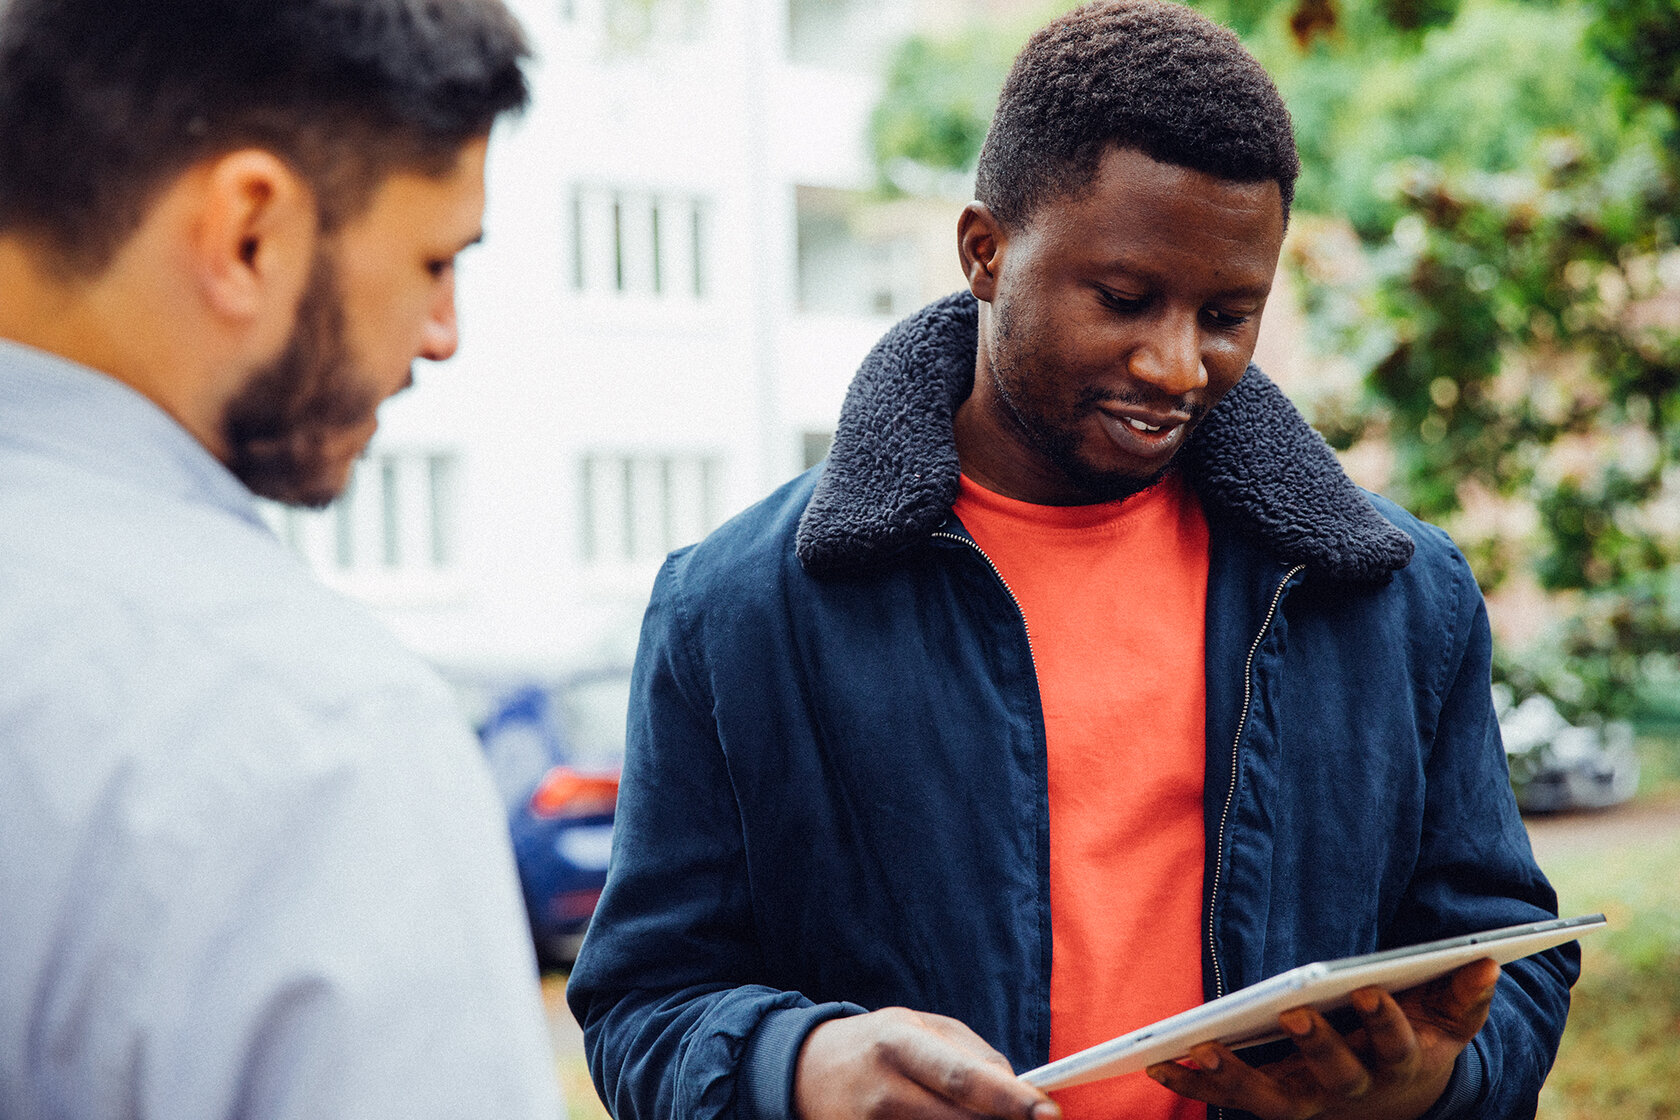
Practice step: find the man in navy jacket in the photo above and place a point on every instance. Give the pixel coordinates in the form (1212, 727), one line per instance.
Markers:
(830, 892)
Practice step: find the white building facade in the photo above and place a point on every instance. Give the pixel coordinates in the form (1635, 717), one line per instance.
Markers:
(685, 261)
(683, 266)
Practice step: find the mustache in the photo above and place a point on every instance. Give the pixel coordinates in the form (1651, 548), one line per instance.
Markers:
(1092, 396)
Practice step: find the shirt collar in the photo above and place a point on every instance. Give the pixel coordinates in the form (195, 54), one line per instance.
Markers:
(55, 407)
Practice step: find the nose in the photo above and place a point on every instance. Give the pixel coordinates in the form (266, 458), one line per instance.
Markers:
(1169, 357)
(441, 336)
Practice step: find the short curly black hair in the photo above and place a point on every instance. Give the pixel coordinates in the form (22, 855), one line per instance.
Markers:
(1149, 75)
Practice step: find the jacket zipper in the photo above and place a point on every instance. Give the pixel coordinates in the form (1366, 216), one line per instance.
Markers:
(1032, 657)
(1217, 1113)
(1231, 790)
(968, 542)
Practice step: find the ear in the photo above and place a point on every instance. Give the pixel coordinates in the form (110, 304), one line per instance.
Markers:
(253, 242)
(980, 240)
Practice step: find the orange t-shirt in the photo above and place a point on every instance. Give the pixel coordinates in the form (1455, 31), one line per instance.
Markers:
(1115, 600)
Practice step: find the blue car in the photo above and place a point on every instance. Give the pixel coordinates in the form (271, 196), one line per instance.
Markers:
(555, 752)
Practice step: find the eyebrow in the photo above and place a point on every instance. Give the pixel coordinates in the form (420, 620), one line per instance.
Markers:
(1256, 291)
(1236, 290)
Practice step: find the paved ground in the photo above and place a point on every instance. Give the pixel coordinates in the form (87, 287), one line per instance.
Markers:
(1633, 823)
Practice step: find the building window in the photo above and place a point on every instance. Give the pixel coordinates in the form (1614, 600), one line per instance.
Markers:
(390, 520)
(441, 472)
(850, 261)
(637, 24)
(845, 34)
(580, 270)
(344, 527)
(653, 248)
(814, 447)
(618, 242)
(638, 507)
(637, 242)
(697, 258)
(396, 517)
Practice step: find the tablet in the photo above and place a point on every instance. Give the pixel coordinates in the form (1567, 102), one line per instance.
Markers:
(1249, 1016)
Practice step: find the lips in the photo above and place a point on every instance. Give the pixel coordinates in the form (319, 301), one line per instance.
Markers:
(1144, 434)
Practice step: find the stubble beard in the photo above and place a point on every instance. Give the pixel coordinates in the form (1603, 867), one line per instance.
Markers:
(280, 425)
(1013, 362)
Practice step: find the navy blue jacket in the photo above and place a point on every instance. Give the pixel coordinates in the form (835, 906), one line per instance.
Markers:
(835, 795)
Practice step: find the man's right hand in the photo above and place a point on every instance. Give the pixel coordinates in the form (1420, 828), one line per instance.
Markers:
(896, 1063)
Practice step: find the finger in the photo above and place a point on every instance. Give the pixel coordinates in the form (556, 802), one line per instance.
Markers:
(1326, 1054)
(910, 1101)
(1473, 988)
(969, 1080)
(1388, 1032)
(1471, 998)
(1222, 1079)
(1458, 1004)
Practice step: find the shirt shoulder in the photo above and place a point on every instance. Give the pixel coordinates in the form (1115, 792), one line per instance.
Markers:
(261, 842)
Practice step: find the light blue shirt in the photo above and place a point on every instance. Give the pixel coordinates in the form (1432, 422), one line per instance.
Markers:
(250, 862)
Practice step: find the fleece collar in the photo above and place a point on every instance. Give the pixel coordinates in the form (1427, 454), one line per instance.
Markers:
(891, 475)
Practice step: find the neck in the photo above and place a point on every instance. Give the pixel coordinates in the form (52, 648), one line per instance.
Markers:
(40, 307)
(114, 322)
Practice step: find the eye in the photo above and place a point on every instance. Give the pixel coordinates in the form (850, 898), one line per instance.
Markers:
(1226, 320)
(1118, 301)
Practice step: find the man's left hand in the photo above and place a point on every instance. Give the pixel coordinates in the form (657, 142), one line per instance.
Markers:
(1393, 1066)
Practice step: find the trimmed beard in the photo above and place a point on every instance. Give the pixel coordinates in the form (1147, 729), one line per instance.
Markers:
(279, 426)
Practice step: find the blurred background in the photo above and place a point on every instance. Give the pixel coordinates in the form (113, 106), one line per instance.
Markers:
(715, 207)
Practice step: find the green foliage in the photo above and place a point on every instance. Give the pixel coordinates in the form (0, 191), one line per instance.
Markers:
(937, 102)
(1476, 93)
(1519, 329)
(1641, 38)
(1512, 307)
(1245, 17)
(1418, 15)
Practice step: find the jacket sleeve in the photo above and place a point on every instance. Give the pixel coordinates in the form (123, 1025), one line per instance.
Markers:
(674, 1024)
(1476, 870)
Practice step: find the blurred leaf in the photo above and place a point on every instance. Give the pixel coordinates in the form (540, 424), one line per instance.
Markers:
(939, 94)
(1509, 310)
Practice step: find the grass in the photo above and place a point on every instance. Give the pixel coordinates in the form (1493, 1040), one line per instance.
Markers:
(1658, 745)
(1621, 1050)
(581, 1101)
(573, 1071)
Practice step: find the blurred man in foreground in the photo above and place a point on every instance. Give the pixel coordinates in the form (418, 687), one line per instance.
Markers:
(1079, 685)
(250, 863)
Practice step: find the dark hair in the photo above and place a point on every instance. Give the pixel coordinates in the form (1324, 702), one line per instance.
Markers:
(1148, 75)
(103, 103)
